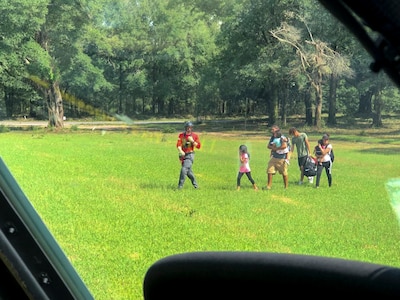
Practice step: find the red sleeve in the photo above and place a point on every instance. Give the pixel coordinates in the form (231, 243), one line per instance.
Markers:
(197, 140)
(179, 141)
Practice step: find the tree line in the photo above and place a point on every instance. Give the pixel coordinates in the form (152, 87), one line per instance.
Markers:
(185, 58)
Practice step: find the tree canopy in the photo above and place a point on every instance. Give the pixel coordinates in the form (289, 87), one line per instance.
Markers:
(184, 59)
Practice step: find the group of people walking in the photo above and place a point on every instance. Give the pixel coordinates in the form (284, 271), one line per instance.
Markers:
(281, 148)
(321, 154)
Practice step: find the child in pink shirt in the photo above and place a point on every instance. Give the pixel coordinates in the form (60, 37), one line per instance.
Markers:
(244, 168)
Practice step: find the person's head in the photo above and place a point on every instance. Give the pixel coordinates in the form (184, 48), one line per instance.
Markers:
(293, 131)
(278, 134)
(274, 128)
(243, 149)
(188, 127)
(325, 139)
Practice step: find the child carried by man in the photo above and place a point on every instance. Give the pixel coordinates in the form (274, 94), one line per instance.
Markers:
(277, 141)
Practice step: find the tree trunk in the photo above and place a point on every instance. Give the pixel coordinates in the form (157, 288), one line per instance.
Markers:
(318, 100)
(8, 100)
(55, 106)
(285, 97)
(120, 90)
(365, 104)
(308, 106)
(378, 106)
(333, 82)
(273, 107)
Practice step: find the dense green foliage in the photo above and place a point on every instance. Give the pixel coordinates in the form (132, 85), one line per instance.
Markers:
(174, 58)
(119, 211)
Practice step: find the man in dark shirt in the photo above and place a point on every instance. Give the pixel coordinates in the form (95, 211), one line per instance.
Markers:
(277, 162)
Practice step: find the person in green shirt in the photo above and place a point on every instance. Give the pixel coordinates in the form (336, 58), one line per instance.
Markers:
(300, 142)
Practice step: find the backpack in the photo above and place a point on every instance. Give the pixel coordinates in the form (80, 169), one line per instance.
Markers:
(310, 167)
(332, 155)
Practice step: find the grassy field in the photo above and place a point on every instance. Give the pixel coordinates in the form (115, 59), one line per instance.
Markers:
(109, 197)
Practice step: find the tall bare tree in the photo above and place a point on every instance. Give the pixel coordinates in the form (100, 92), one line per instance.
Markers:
(317, 60)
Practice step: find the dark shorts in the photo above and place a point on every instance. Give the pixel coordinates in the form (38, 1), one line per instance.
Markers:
(302, 161)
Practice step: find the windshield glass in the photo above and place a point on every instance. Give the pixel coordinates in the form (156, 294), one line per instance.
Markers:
(143, 129)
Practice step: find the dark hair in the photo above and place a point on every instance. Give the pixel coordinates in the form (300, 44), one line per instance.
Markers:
(292, 130)
(325, 136)
(275, 126)
(243, 148)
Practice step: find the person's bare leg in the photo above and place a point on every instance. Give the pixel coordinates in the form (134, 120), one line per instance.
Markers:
(269, 184)
(301, 174)
(285, 180)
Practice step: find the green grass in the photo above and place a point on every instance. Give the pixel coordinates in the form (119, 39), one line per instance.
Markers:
(110, 200)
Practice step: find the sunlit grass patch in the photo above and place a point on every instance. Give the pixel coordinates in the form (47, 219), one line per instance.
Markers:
(111, 201)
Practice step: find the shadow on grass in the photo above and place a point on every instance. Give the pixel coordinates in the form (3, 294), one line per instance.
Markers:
(382, 151)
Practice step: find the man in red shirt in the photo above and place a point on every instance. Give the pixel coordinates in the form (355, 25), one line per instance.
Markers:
(187, 142)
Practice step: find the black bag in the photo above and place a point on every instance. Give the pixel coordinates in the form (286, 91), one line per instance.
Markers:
(310, 167)
(332, 155)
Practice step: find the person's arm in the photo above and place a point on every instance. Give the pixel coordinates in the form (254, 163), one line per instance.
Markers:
(283, 144)
(194, 139)
(292, 148)
(307, 145)
(181, 152)
(329, 148)
(325, 150)
(179, 145)
(271, 145)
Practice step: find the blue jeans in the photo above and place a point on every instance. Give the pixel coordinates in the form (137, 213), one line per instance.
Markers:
(186, 171)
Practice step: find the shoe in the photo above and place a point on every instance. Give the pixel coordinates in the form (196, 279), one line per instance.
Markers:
(238, 188)
(300, 182)
(310, 179)
(317, 187)
(255, 187)
(196, 186)
(266, 188)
